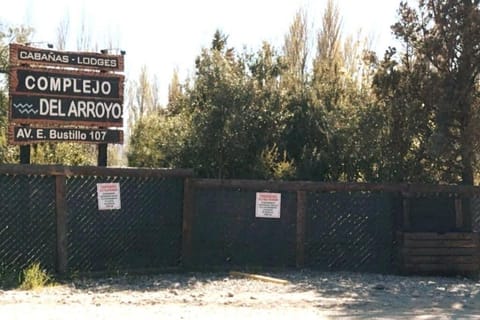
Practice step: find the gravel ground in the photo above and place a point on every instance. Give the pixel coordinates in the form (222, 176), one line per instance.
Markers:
(307, 295)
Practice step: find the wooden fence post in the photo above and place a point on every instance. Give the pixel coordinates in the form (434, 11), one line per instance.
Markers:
(301, 209)
(25, 154)
(406, 221)
(61, 213)
(188, 207)
(102, 154)
(458, 213)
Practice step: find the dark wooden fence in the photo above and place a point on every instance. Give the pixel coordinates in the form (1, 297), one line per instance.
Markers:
(49, 214)
(169, 219)
(327, 226)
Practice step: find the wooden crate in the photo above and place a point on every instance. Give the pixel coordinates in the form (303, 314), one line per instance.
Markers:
(434, 253)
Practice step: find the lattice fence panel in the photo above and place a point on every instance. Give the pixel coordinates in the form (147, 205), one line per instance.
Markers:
(144, 233)
(349, 231)
(27, 222)
(475, 206)
(226, 233)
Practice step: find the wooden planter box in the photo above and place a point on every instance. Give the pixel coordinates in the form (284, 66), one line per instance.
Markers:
(434, 253)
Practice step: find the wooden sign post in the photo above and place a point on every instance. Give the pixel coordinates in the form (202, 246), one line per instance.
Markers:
(65, 96)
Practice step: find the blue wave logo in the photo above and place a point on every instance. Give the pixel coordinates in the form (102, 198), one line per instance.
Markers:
(25, 108)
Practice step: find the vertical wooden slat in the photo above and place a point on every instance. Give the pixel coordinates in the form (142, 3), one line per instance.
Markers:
(406, 213)
(301, 212)
(188, 207)
(25, 154)
(458, 213)
(102, 148)
(61, 212)
(102, 154)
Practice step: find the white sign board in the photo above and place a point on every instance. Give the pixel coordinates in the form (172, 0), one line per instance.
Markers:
(268, 205)
(108, 196)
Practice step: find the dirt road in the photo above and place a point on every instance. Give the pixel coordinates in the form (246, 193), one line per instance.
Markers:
(307, 295)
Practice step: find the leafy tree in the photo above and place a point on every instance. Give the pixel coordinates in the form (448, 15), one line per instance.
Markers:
(142, 97)
(8, 154)
(438, 76)
(263, 114)
(273, 165)
(62, 33)
(296, 50)
(66, 153)
(224, 123)
(340, 102)
(268, 115)
(175, 92)
(84, 37)
(302, 136)
(407, 119)
(219, 104)
(158, 140)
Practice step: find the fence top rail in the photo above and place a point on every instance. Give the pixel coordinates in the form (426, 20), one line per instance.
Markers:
(58, 170)
(291, 186)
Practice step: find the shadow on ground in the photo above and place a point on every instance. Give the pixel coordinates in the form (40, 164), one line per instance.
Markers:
(341, 294)
(367, 296)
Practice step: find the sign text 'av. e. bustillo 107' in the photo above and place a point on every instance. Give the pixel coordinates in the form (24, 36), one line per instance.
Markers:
(27, 135)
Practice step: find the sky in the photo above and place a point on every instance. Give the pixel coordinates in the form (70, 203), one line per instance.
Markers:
(168, 35)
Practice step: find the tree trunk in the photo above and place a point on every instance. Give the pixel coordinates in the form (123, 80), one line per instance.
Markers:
(466, 143)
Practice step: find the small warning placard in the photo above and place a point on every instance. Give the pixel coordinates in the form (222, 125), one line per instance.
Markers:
(108, 196)
(268, 205)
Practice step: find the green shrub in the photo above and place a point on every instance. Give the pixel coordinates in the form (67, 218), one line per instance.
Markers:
(34, 277)
(275, 165)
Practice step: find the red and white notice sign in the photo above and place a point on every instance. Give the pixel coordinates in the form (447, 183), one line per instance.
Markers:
(108, 195)
(268, 205)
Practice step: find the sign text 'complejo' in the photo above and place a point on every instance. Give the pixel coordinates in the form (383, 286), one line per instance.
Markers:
(66, 83)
